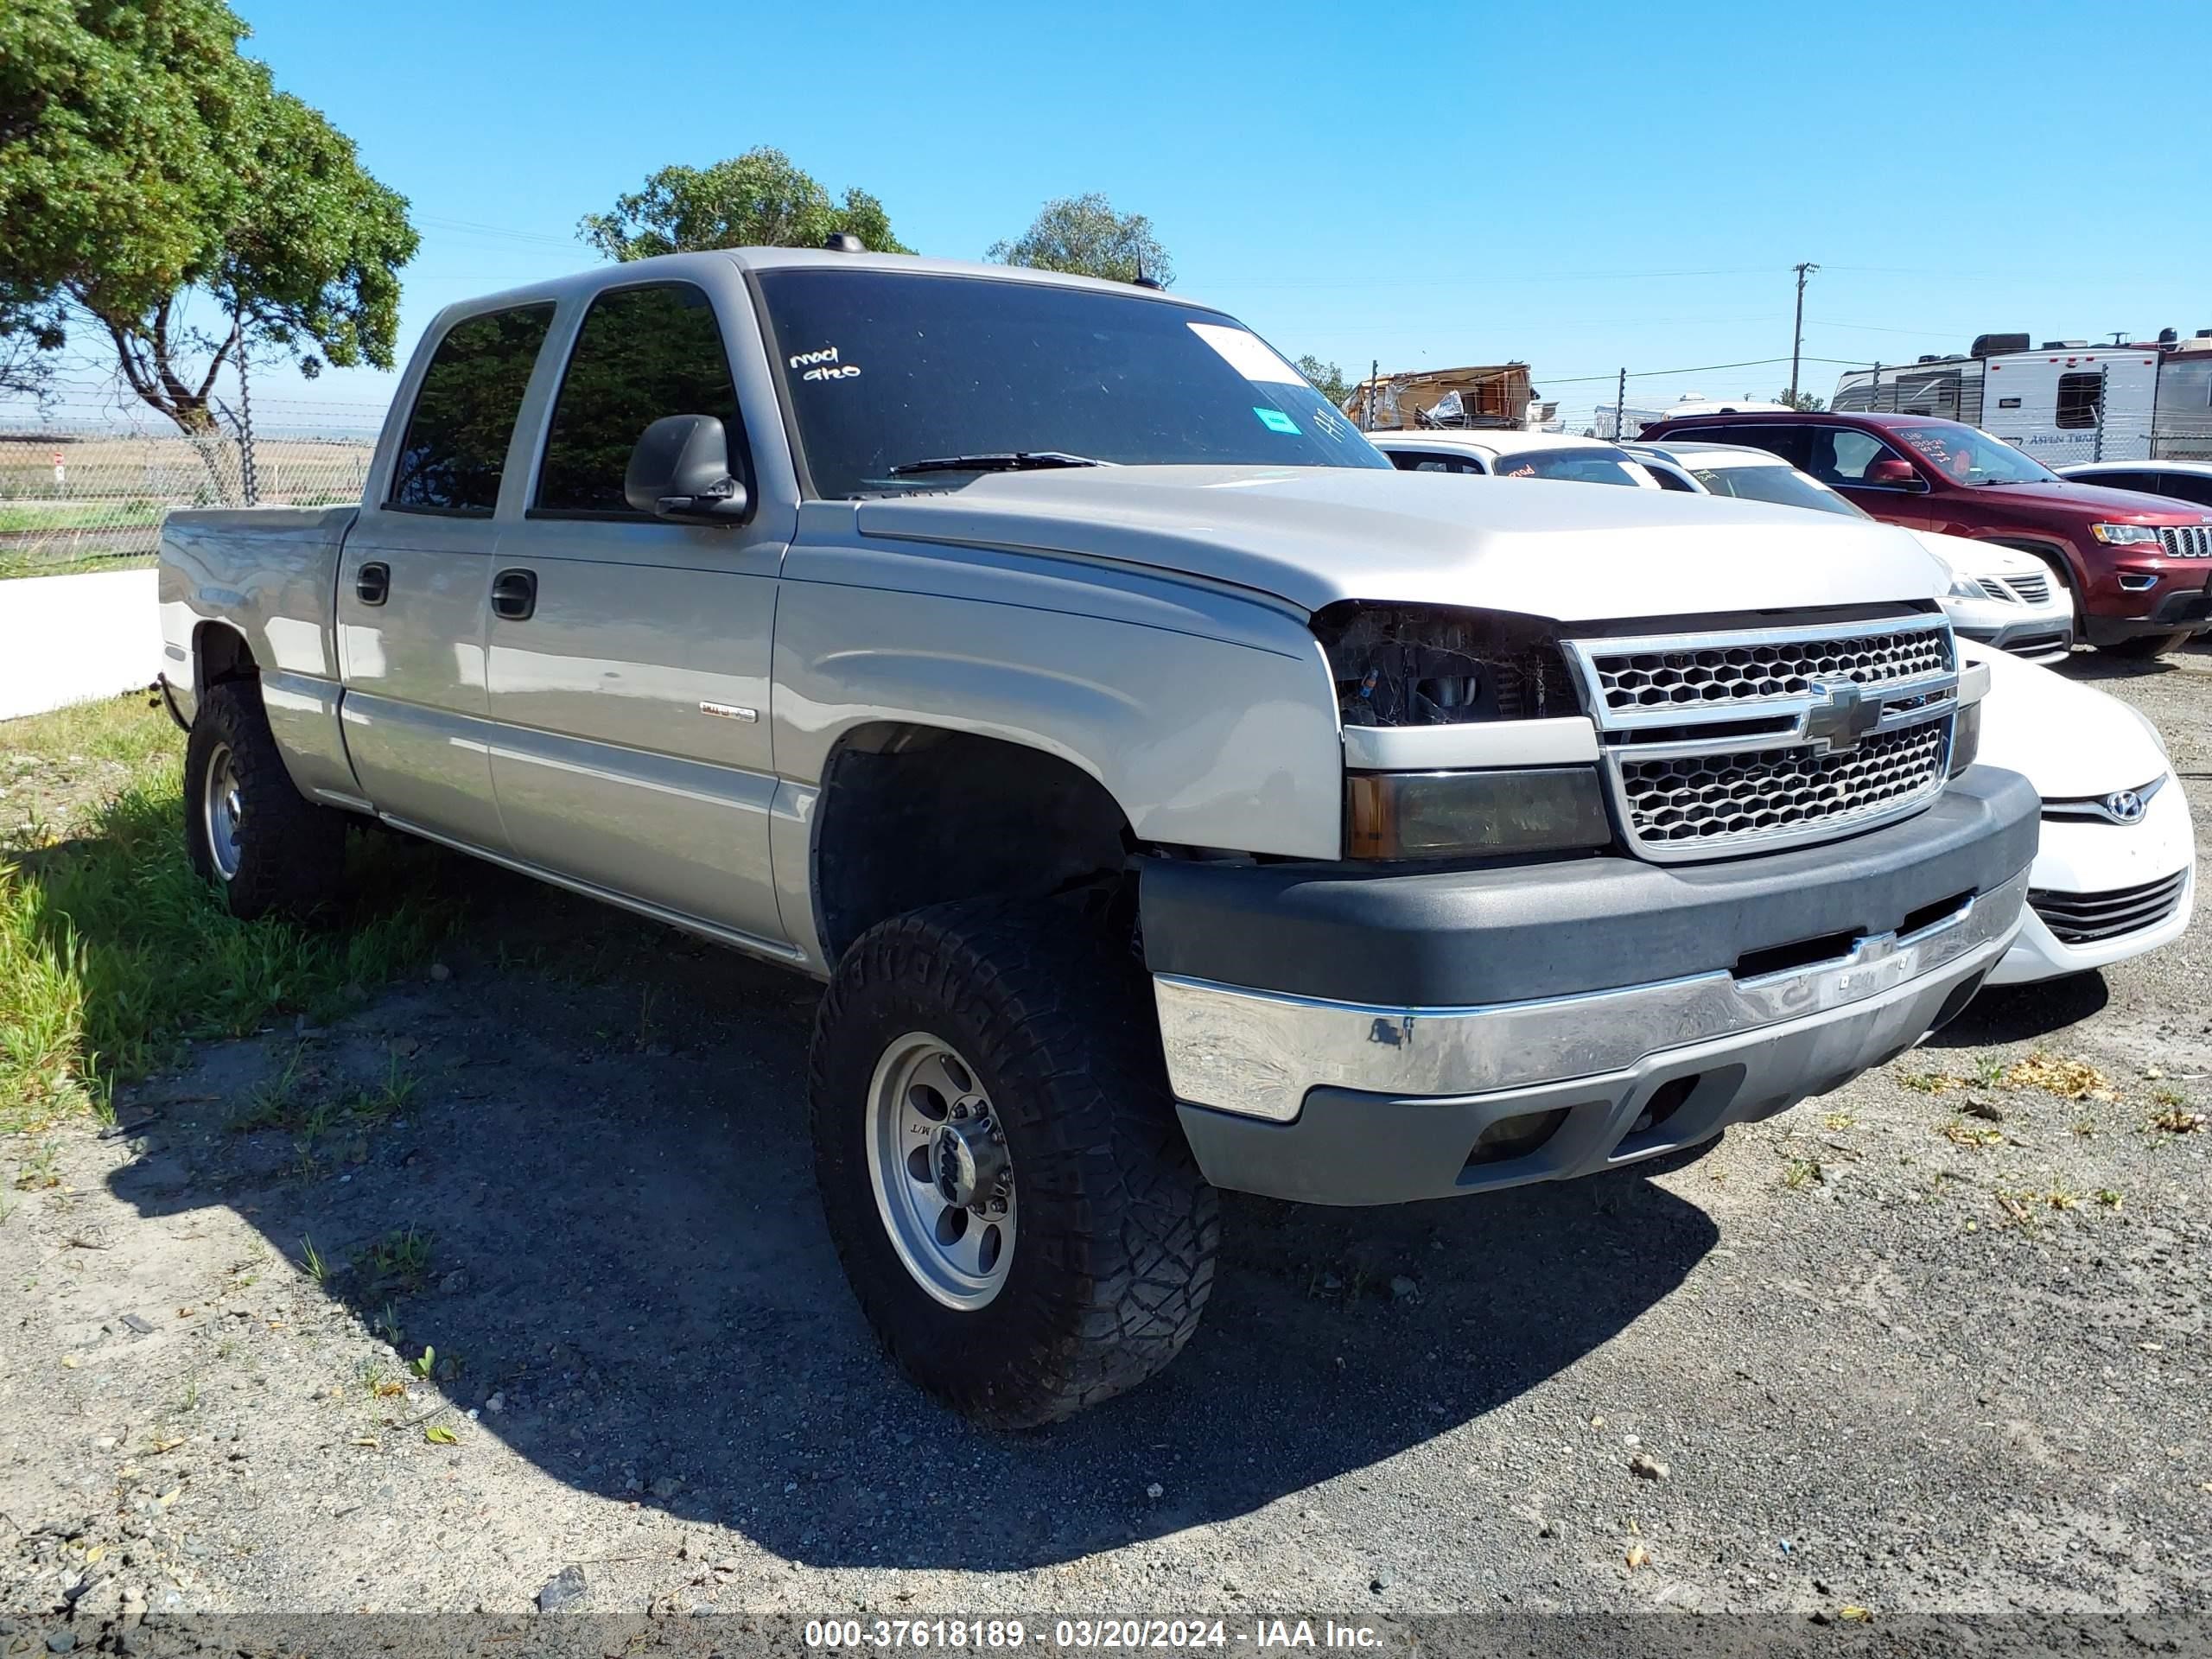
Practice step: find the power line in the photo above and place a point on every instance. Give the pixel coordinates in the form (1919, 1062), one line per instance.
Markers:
(1701, 368)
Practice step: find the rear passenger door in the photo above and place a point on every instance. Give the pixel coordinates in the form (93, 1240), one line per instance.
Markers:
(412, 581)
(630, 694)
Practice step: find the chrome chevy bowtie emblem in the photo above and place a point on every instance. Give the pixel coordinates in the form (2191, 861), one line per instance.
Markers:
(1841, 713)
(2124, 806)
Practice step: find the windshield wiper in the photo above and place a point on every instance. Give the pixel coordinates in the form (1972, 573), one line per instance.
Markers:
(1011, 460)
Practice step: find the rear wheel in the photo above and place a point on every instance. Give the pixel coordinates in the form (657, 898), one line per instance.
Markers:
(999, 1160)
(2146, 645)
(265, 846)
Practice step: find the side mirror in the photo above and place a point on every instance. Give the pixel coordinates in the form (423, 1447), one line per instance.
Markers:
(1892, 472)
(680, 470)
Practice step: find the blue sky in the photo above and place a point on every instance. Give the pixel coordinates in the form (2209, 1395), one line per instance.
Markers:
(1579, 186)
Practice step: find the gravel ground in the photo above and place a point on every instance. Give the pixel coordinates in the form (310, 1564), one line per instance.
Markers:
(522, 1276)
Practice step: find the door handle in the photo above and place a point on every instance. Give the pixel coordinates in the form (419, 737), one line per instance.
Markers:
(373, 583)
(514, 594)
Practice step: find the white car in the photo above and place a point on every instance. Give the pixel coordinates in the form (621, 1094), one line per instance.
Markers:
(2115, 873)
(1512, 454)
(1999, 595)
(2184, 480)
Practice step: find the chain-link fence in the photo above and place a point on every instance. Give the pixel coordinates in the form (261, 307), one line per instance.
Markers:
(75, 499)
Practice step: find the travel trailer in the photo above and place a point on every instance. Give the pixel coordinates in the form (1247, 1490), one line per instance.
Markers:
(2066, 402)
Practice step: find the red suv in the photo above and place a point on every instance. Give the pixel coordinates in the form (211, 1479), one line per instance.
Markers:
(2137, 565)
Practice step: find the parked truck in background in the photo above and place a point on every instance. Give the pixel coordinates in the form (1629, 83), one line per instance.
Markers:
(1172, 794)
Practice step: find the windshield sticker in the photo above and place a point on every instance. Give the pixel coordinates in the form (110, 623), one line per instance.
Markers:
(1274, 420)
(1247, 353)
(823, 365)
(1329, 422)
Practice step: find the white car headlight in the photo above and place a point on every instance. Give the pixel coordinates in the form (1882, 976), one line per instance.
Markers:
(1968, 587)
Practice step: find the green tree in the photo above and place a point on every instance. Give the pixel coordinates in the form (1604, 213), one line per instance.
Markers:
(1800, 400)
(1083, 234)
(758, 200)
(147, 169)
(1326, 378)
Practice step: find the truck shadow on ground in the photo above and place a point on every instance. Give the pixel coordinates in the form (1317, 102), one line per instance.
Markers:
(2019, 1014)
(603, 1170)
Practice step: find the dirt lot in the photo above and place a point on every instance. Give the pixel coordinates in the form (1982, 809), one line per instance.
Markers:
(517, 1269)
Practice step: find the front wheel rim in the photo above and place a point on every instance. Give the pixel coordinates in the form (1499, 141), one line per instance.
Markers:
(942, 1174)
(223, 811)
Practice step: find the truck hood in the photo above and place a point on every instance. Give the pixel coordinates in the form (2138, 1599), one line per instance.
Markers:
(2068, 740)
(1314, 535)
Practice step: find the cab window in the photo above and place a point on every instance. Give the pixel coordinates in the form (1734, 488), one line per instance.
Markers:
(1841, 455)
(642, 354)
(455, 448)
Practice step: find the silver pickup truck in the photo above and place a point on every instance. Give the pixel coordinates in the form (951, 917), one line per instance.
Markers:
(1172, 795)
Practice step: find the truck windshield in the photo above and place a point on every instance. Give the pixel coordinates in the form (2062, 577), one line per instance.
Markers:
(1967, 455)
(1783, 485)
(883, 369)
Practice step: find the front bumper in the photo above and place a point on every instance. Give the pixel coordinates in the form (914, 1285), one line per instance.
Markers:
(2178, 598)
(1499, 1045)
(2038, 632)
(2082, 858)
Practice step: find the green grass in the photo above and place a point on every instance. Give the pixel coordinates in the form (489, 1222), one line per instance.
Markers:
(79, 515)
(113, 954)
(15, 563)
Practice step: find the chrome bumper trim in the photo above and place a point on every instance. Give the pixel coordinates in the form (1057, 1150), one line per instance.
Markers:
(1259, 1052)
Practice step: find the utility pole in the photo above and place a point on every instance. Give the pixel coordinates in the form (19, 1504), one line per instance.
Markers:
(1797, 338)
(1620, 406)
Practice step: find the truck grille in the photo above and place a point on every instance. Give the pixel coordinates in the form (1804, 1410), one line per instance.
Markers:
(1719, 744)
(2086, 917)
(2186, 541)
(1706, 798)
(1747, 673)
(2029, 590)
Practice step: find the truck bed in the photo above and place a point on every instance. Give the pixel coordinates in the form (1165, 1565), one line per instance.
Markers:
(269, 572)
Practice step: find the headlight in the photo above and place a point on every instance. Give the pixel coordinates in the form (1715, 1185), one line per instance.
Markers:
(1968, 587)
(1434, 665)
(1966, 737)
(1473, 814)
(2125, 535)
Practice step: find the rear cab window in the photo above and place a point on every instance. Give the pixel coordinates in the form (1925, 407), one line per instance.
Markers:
(455, 448)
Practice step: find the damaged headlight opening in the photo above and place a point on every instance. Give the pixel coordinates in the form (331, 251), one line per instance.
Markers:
(1399, 665)
(1429, 665)
(1471, 813)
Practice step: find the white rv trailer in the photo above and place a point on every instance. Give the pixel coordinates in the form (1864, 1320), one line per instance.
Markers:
(2065, 404)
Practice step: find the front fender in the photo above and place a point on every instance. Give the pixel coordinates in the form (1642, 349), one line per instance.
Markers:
(1200, 738)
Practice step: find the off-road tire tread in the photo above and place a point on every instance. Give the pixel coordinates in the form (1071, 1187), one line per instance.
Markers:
(1118, 1231)
(292, 853)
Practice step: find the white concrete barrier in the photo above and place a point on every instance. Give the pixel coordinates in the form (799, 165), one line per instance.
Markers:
(68, 639)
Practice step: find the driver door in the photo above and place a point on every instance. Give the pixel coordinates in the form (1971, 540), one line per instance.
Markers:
(1840, 457)
(627, 656)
